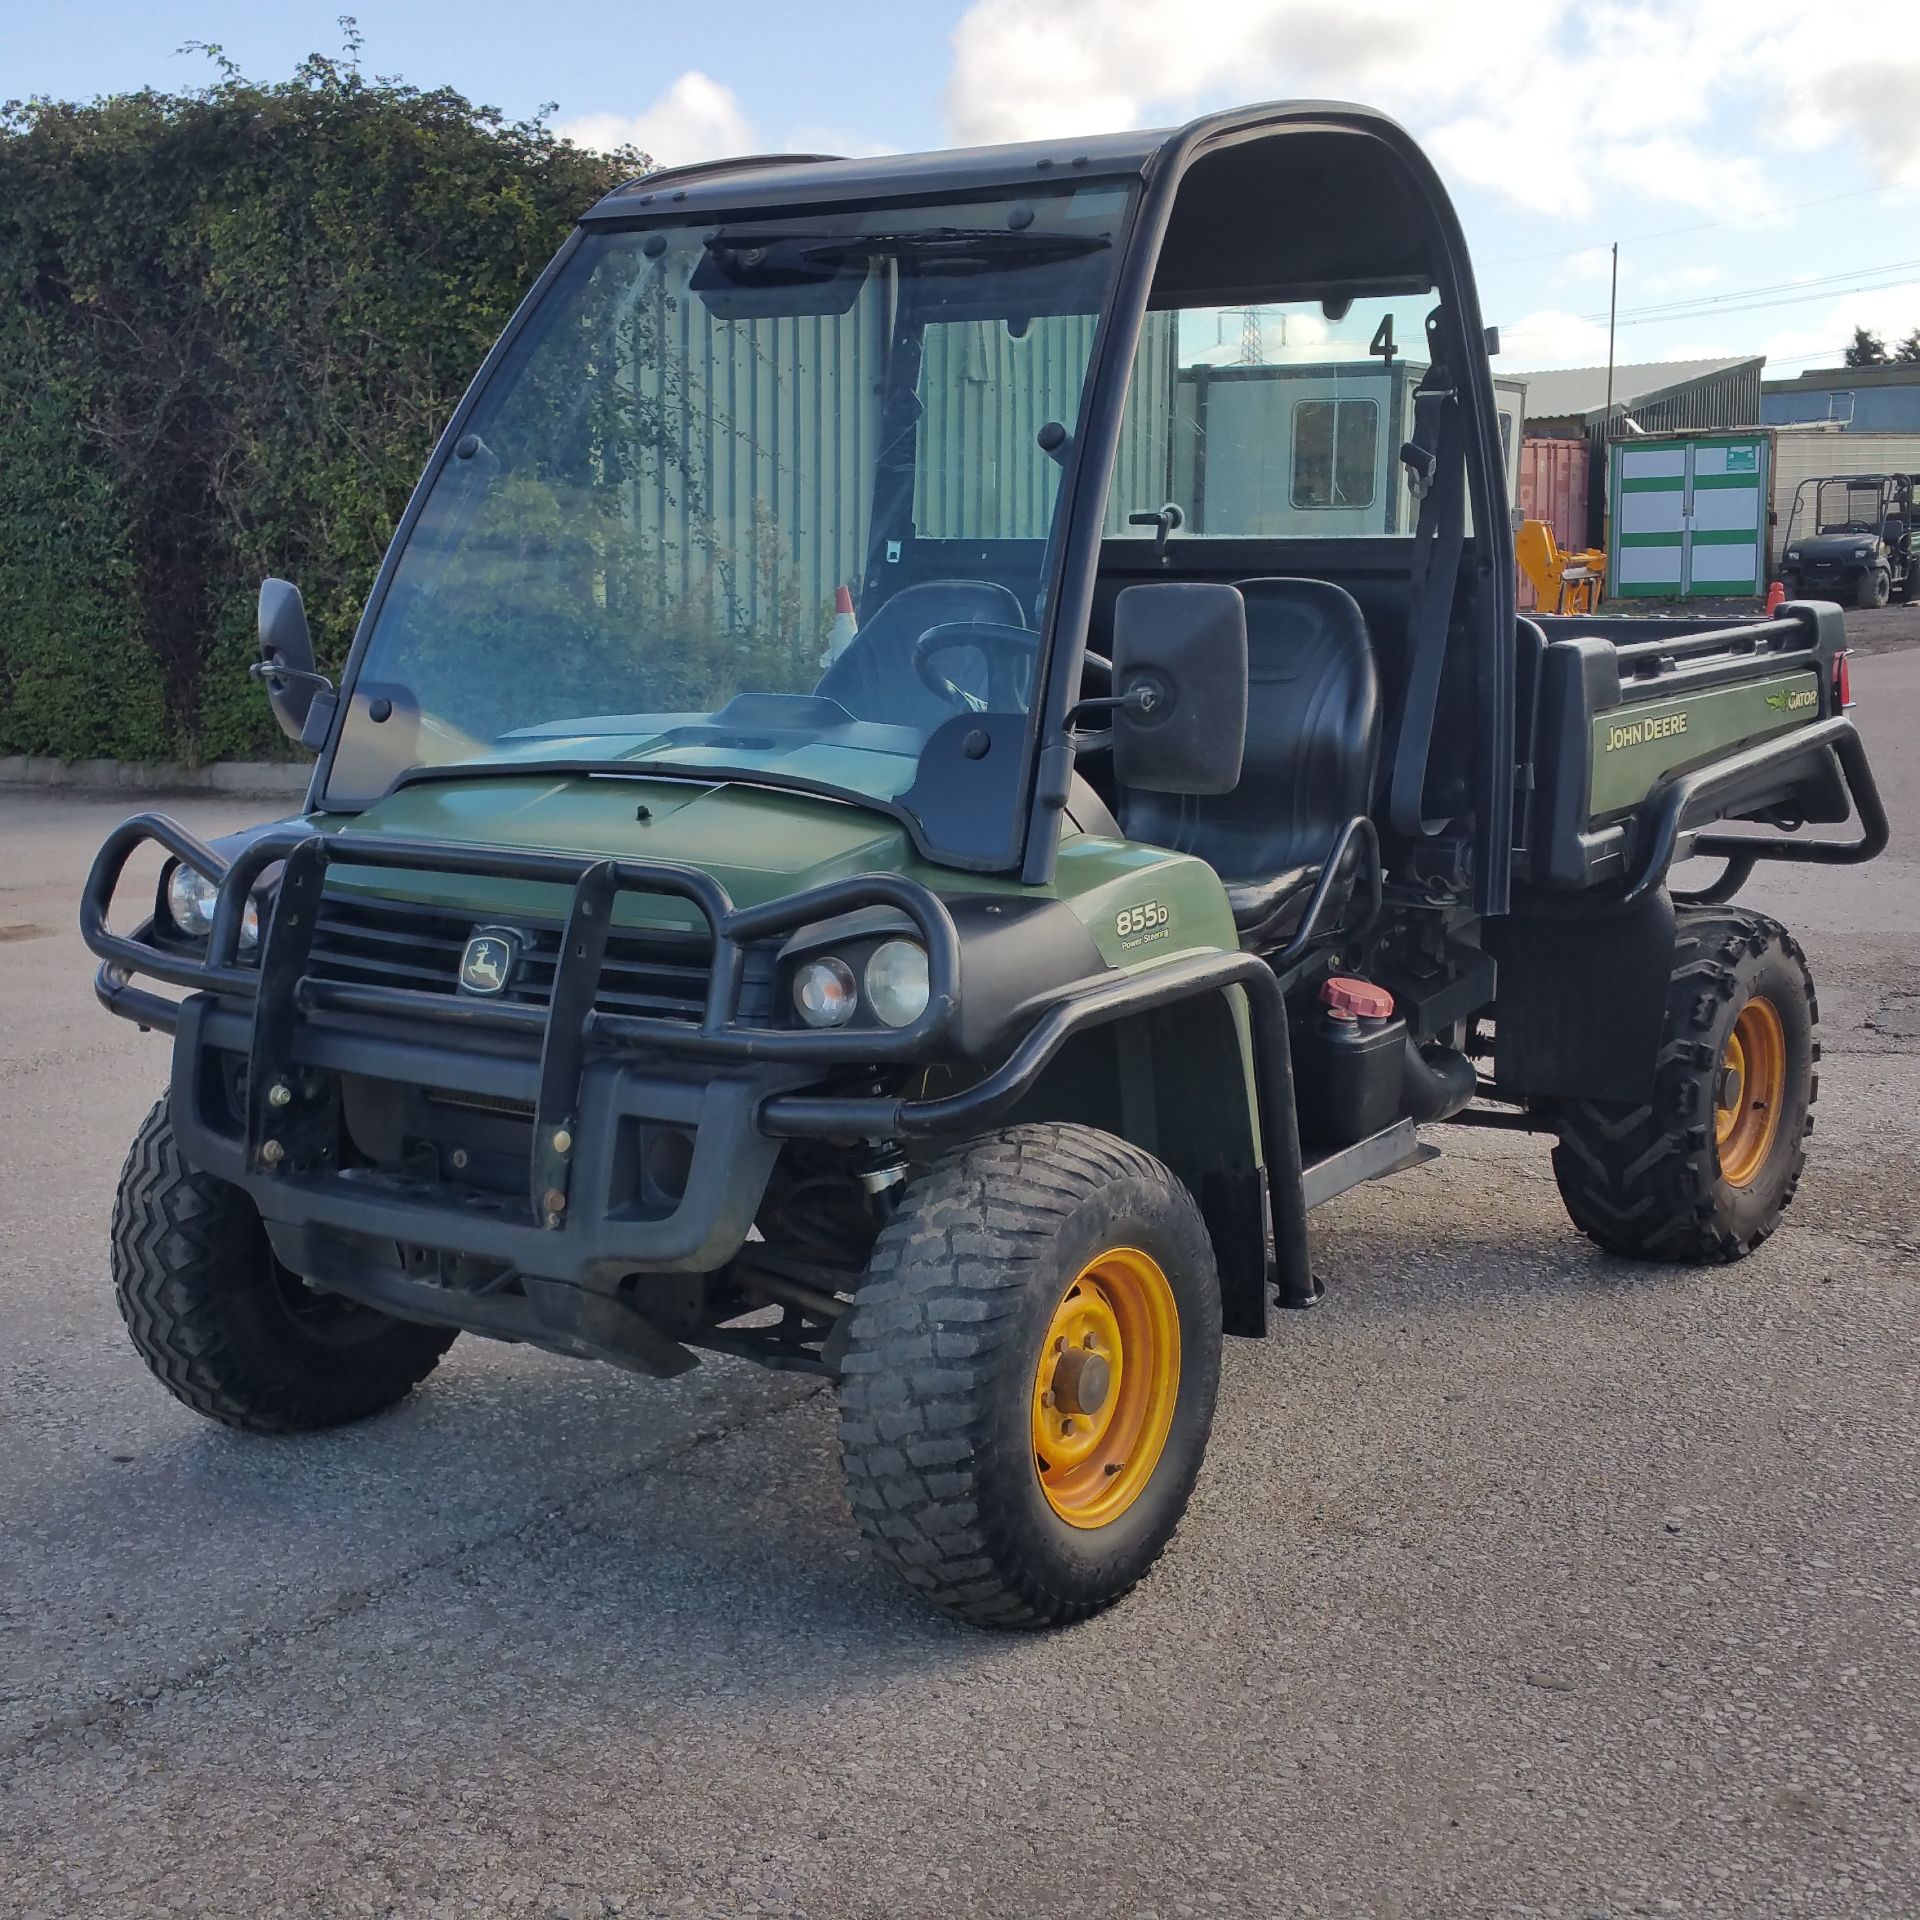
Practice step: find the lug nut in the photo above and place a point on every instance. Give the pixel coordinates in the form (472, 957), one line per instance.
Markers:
(272, 1152)
(279, 1094)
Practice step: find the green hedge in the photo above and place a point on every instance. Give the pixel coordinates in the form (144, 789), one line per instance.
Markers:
(231, 324)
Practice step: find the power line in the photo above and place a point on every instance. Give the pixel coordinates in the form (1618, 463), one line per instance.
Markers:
(1811, 285)
(1704, 226)
(1742, 300)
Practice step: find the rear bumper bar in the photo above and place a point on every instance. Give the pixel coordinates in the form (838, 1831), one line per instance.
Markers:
(1708, 793)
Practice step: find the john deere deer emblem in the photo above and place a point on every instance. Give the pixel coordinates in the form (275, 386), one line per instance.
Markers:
(487, 965)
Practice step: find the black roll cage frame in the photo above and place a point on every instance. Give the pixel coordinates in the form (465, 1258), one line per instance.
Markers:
(1069, 576)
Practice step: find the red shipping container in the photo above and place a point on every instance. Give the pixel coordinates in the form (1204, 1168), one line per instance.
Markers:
(1553, 488)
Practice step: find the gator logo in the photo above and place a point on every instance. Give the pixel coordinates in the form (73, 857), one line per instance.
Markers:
(1795, 700)
(486, 967)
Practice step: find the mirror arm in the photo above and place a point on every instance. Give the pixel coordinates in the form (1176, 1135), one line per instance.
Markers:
(277, 676)
(1141, 698)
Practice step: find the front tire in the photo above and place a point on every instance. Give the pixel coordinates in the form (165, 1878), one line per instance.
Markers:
(1030, 1376)
(1874, 590)
(229, 1331)
(1703, 1171)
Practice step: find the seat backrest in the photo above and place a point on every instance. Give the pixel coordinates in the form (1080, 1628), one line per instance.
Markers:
(1313, 740)
(874, 678)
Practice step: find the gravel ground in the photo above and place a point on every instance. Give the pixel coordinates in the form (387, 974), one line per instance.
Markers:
(1519, 1581)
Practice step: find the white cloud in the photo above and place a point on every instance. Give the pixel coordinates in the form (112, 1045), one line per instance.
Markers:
(1590, 267)
(1544, 101)
(695, 119)
(1670, 168)
(1549, 337)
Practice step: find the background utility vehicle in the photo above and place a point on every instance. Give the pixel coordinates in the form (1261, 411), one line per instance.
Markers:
(963, 985)
(1851, 538)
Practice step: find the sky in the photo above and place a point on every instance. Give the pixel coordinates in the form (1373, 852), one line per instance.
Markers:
(1760, 170)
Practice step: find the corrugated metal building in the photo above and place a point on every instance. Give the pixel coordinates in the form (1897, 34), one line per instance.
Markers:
(1660, 396)
(776, 423)
(1851, 399)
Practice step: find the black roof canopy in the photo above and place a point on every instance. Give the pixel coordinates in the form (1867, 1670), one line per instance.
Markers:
(1340, 203)
(763, 182)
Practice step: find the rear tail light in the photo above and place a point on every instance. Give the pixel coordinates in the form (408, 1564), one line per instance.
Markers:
(1842, 680)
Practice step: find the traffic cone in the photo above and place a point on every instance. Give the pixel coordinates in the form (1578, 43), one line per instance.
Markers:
(1775, 594)
(844, 627)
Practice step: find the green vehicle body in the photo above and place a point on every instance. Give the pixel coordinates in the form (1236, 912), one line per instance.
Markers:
(762, 846)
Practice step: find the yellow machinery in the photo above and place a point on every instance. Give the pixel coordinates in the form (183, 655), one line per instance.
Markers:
(1562, 582)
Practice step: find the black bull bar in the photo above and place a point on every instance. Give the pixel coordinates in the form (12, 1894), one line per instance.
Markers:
(286, 1141)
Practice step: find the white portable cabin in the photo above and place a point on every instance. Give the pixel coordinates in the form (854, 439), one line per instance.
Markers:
(1303, 449)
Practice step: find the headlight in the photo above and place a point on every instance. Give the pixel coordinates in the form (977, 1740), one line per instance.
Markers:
(1793, 553)
(190, 898)
(1861, 552)
(897, 982)
(824, 993)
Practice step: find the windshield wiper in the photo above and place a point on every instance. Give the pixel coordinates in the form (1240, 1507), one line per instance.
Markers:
(944, 246)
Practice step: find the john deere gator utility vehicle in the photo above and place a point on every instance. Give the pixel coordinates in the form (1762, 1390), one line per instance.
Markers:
(898, 810)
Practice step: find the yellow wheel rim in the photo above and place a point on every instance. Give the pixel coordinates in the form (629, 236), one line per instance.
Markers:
(1748, 1092)
(1104, 1387)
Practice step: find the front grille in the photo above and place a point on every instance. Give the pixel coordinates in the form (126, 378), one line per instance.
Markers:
(657, 972)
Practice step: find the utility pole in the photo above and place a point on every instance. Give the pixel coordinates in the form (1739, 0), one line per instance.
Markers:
(1613, 302)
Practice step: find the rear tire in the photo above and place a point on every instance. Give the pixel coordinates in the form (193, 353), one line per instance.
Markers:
(228, 1330)
(1703, 1171)
(1873, 590)
(1030, 1377)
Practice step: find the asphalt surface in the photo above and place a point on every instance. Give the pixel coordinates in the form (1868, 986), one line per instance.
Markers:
(1519, 1580)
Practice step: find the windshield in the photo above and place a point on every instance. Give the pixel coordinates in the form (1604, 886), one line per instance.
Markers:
(769, 498)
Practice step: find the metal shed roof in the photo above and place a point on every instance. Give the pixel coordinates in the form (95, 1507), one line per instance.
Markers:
(1560, 392)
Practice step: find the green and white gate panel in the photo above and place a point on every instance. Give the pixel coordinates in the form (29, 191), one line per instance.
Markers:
(1689, 517)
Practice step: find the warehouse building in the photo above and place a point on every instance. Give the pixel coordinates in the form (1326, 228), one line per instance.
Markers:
(1850, 399)
(1660, 396)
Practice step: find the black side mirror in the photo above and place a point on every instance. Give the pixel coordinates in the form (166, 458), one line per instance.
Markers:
(286, 665)
(1180, 687)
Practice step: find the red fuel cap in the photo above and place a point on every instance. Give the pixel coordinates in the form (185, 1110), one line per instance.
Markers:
(1351, 999)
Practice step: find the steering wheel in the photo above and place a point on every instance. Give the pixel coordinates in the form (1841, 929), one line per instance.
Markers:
(1005, 649)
